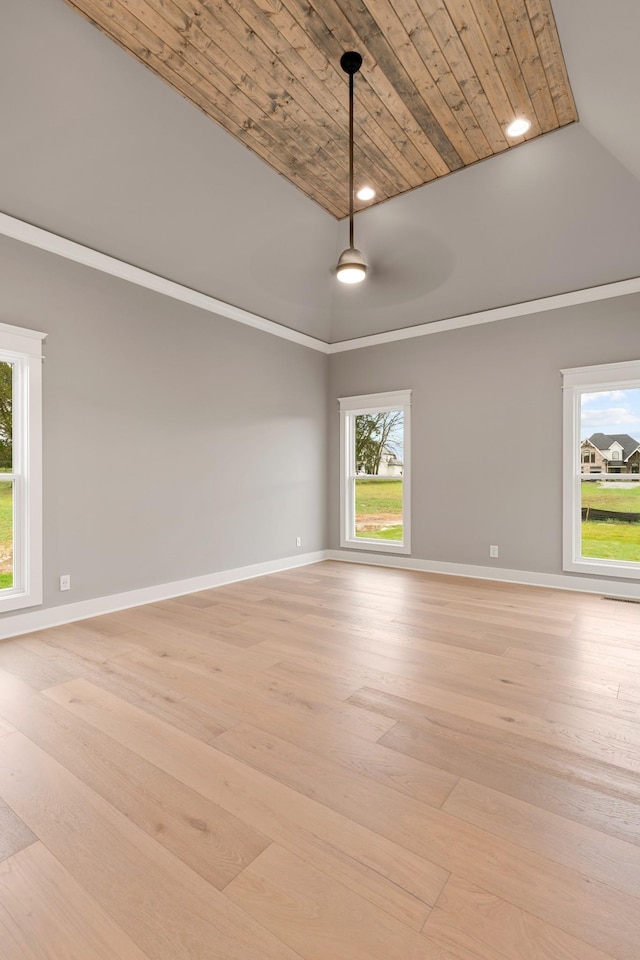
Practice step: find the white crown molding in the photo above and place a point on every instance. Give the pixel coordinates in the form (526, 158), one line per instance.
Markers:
(606, 291)
(17, 624)
(45, 240)
(24, 232)
(554, 581)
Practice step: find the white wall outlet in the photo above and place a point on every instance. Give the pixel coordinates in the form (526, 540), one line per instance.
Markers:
(493, 552)
(65, 581)
(298, 541)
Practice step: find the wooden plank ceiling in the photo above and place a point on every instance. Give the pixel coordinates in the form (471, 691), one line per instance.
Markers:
(440, 81)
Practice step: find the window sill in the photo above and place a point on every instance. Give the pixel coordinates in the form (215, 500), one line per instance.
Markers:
(378, 546)
(16, 601)
(625, 569)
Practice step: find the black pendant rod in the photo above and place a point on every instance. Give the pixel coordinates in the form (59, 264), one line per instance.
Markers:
(351, 63)
(350, 159)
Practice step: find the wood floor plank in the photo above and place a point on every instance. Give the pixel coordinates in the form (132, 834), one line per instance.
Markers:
(166, 908)
(211, 840)
(425, 782)
(81, 642)
(467, 918)
(14, 834)
(5, 727)
(237, 694)
(438, 661)
(318, 918)
(630, 692)
(28, 666)
(46, 915)
(394, 878)
(560, 896)
(514, 775)
(582, 848)
(589, 754)
(151, 693)
(375, 762)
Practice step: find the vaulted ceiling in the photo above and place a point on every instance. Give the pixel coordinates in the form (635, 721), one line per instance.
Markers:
(98, 149)
(440, 82)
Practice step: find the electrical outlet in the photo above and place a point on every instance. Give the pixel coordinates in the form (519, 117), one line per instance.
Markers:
(298, 541)
(65, 581)
(493, 552)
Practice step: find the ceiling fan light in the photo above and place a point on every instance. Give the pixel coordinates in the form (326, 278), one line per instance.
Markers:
(352, 266)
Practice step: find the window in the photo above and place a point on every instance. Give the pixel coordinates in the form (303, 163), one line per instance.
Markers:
(375, 474)
(20, 467)
(602, 507)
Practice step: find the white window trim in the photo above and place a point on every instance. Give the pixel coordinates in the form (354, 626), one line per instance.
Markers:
(575, 382)
(380, 403)
(23, 348)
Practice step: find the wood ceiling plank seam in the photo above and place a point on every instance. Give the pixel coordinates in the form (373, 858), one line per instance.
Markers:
(548, 43)
(252, 137)
(250, 118)
(385, 159)
(246, 61)
(272, 37)
(263, 31)
(386, 61)
(398, 147)
(214, 70)
(373, 116)
(417, 70)
(431, 53)
(468, 27)
(379, 85)
(443, 29)
(520, 30)
(492, 20)
(305, 110)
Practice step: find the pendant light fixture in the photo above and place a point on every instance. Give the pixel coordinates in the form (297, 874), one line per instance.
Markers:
(352, 266)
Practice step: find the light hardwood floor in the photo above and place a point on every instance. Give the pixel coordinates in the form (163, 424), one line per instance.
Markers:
(335, 763)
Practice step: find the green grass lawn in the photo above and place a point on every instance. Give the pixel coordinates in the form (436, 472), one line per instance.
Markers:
(611, 498)
(6, 529)
(379, 496)
(609, 540)
(386, 533)
(381, 499)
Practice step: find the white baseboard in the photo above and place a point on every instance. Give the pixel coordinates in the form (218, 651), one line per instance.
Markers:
(70, 612)
(21, 623)
(554, 581)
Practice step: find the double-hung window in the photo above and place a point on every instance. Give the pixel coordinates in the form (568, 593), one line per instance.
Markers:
(20, 467)
(602, 502)
(375, 472)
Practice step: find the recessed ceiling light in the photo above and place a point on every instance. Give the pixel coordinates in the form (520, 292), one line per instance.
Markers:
(366, 193)
(519, 127)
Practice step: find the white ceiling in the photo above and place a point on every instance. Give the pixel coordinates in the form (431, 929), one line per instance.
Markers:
(94, 144)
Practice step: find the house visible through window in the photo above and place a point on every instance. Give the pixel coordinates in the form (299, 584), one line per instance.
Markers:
(602, 501)
(20, 468)
(375, 471)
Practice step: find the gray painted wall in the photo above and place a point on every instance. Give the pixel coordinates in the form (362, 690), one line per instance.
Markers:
(175, 443)
(487, 427)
